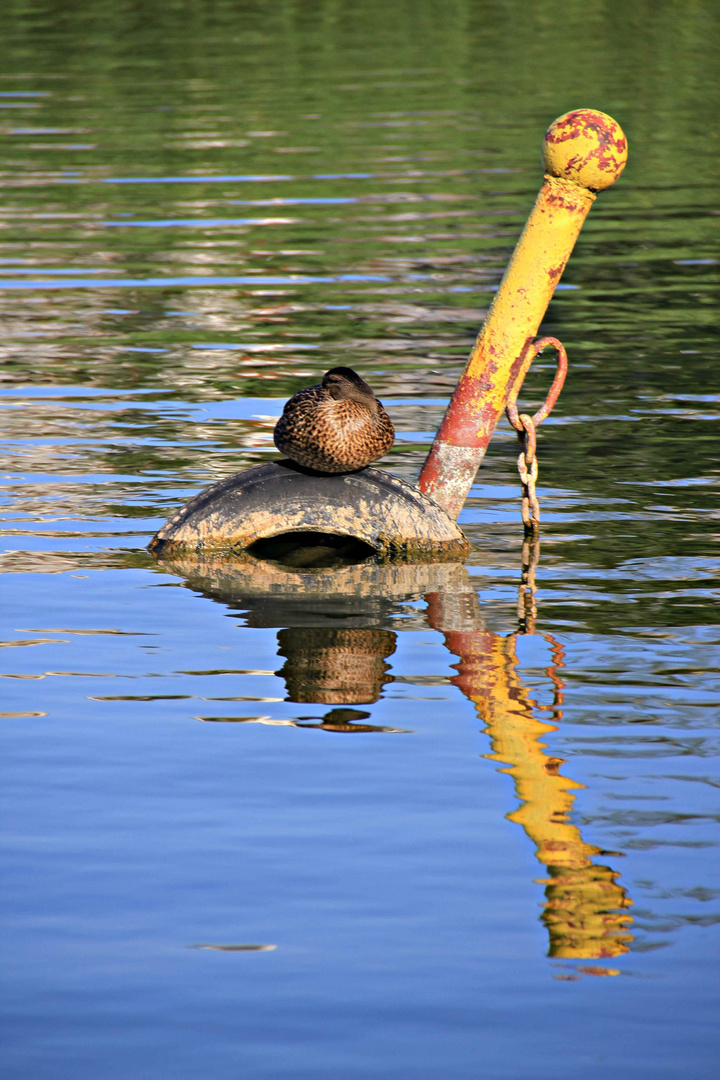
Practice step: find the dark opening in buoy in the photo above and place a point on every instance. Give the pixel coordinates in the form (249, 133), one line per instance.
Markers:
(312, 550)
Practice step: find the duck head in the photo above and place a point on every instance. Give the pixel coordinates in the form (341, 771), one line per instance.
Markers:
(343, 383)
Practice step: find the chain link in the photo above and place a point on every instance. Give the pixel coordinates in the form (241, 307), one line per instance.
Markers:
(526, 426)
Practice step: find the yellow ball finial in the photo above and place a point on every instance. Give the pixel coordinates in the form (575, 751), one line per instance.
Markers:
(586, 146)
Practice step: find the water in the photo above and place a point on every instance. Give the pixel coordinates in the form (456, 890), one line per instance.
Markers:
(204, 207)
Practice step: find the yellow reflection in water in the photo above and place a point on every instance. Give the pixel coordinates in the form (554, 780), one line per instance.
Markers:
(585, 906)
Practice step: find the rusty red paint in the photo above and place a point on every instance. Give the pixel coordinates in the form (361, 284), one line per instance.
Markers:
(555, 198)
(474, 409)
(488, 420)
(517, 366)
(574, 163)
(430, 475)
(558, 198)
(608, 161)
(448, 474)
(576, 123)
(470, 417)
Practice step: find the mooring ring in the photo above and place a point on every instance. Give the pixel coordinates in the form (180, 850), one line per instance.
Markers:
(531, 351)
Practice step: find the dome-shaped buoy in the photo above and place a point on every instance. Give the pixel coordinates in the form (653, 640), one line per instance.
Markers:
(280, 500)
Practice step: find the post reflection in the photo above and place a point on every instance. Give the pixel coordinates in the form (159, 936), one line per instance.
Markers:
(334, 655)
(585, 909)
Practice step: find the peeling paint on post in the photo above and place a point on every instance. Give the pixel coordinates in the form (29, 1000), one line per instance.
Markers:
(584, 152)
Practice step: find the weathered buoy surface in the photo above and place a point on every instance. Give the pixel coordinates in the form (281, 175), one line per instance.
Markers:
(393, 518)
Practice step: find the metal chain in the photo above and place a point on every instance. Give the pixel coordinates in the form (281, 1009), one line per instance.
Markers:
(528, 468)
(526, 428)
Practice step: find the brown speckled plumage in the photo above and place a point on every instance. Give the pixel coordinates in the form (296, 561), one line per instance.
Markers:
(335, 427)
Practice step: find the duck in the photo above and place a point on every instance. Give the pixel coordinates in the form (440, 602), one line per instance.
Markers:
(336, 426)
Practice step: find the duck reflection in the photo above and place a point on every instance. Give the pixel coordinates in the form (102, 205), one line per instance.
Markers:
(335, 666)
(338, 720)
(332, 657)
(346, 720)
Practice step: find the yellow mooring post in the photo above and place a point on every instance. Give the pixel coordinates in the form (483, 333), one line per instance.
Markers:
(584, 152)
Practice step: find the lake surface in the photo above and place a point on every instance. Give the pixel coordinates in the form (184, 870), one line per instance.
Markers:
(365, 821)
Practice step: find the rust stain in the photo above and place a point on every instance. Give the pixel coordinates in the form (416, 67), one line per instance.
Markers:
(555, 198)
(561, 195)
(576, 123)
(516, 368)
